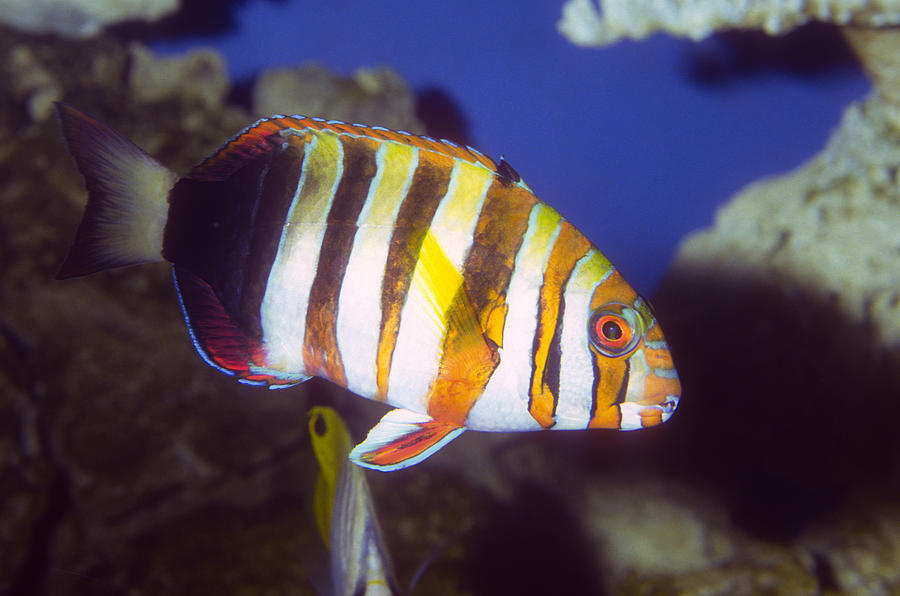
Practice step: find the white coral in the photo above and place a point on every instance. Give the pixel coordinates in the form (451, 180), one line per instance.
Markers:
(601, 22)
(79, 18)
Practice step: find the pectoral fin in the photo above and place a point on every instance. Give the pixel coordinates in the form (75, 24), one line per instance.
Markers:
(402, 439)
(468, 356)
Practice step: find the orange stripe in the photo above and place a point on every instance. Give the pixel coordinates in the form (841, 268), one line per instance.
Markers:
(569, 247)
(613, 289)
(658, 358)
(466, 365)
(657, 388)
(610, 376)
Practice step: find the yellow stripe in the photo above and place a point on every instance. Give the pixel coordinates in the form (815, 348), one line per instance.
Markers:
(398, 166)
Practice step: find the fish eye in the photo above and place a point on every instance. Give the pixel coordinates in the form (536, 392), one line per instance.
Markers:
(319, 426)
(615, 330)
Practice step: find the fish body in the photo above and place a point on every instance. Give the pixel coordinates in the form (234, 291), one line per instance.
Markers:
(410, 270)
(345, 513)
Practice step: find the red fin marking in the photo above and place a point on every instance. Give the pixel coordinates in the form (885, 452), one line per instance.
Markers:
(218, 340)
(409, 446)
(251, 143)
(216, 337)
(401, 439)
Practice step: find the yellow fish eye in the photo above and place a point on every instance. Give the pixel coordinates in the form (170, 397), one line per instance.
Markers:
(615, 329)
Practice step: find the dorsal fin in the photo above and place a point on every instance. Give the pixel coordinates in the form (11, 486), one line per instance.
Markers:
(268, 133)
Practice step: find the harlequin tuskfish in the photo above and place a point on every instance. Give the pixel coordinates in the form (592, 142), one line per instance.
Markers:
(410, 270)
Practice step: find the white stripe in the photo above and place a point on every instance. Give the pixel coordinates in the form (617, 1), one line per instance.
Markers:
(417, 355)
(631, 419)
(359, 310)
(283, 310)
(453, 225)
(576, 374)
(504, 404)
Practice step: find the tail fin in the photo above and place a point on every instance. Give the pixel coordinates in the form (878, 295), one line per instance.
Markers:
(127, 198)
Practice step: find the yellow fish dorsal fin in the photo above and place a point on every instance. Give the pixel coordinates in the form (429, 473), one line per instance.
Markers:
(468, 359)
(331, 444)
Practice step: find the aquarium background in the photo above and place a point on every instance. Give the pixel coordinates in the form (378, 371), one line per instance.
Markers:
(636, 143)
(127, 465)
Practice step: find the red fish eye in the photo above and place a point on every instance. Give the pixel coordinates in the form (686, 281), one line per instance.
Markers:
(611, 332)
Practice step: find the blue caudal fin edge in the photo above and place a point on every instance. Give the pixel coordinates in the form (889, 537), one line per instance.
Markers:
(401, 439)
(216, 337)
(127, 204)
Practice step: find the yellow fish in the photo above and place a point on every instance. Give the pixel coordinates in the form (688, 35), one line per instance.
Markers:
(345, 514)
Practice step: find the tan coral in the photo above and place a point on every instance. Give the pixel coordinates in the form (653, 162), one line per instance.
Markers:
(374, 96)
(832, 225)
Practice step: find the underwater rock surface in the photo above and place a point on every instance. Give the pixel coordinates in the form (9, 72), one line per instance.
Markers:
(79, 18)
(832, 227)
(367, 96)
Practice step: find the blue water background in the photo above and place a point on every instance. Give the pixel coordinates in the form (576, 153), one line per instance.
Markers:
(620, 140)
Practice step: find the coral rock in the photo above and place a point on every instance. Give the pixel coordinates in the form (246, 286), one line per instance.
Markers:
(590, 23)
(79, 18)
(372, 96)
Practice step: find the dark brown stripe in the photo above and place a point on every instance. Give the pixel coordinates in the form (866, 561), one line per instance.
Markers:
(429, 185)
(498, 236)
(320, 349)
(227, 231)
(275, 197)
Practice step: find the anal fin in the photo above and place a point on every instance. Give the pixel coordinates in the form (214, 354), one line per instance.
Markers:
(218, 339)
(401, 439)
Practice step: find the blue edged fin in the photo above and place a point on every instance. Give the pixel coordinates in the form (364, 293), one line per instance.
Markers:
(402, 439)
(127, 204)
(218, 339)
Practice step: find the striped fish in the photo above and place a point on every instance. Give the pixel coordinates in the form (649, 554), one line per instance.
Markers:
(410, 270)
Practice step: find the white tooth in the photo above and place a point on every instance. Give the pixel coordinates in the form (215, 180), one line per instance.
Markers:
(631, 420)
